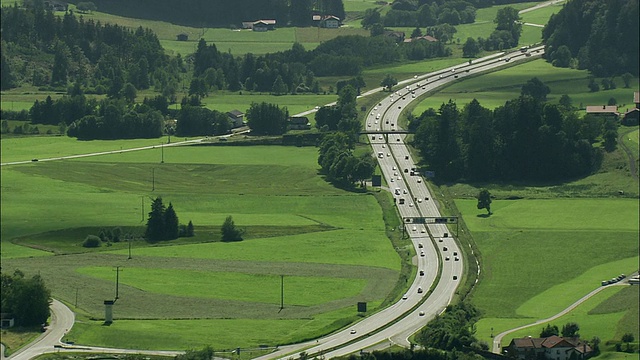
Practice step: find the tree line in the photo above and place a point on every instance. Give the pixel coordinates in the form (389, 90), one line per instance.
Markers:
(27, 299)
(408, 13)
(220, 13)
(341, 129)
(600, 36)
(295, 70)
(525, 139)
(45, 50)
(163, 224)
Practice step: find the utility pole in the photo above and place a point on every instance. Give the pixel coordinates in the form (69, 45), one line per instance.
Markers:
(281, 292)
(117, 281)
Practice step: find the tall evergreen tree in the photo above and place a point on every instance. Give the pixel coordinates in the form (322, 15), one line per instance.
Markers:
(171, 224)
(60, 70)
(229, 230)
(6, 75)
(155, 222)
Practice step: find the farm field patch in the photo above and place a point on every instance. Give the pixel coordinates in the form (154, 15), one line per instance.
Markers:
(326, 245)
(603, 236)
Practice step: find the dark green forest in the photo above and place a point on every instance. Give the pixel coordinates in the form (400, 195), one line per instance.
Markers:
(526, 139)
(600, 36)
(222, 13)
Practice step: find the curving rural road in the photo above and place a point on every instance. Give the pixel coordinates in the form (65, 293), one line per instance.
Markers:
(498, 339)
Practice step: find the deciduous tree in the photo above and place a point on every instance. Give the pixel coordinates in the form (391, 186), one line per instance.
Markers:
(484, 200)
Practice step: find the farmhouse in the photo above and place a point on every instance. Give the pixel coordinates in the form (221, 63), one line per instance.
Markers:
(604, 110)
(236, 117)
(56, 5)
(299, 123)
(327, 21)
(552, 347)
(264, 25)
(428, 38)
(397, 36)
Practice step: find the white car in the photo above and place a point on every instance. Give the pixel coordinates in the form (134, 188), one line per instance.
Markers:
(419, 200)
(414, 228)
(423, 231)
(419, 180)
(410, 204)
(392, 180)
(405, 297)
(393, 168)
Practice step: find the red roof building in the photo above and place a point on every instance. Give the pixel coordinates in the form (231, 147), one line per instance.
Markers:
(552, 347)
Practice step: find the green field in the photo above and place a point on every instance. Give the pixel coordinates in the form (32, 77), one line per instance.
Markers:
(326, 245)
(494, 89)
(582, 242)
(606, 315)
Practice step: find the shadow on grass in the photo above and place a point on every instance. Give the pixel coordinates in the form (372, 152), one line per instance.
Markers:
(484, 216)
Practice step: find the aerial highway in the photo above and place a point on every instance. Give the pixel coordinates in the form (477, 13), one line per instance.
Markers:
(438, 259)
(396, 323)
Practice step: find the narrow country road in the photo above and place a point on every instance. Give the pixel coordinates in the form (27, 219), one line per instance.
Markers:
(498, 339)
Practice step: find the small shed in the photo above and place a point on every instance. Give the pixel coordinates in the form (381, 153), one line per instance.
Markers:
(236, 117)
(6, 320)
(299, 123)
(631, 117)
(182, 37)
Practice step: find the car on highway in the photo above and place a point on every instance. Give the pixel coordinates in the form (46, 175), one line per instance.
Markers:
(421, 273)
(414, 228)
(420, 245)
(353, 331)
(456, 258)
(444, 248)
(419, 180)
(405, 297)
(422, 253)
(419, 290)
(421, 313)
(446, 259)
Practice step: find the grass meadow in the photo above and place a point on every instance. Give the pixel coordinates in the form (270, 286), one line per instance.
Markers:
(541, 255)
(607, 315)
(494, 89)
(328, 246)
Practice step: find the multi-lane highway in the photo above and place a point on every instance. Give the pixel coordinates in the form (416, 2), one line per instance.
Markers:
(438, 258)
